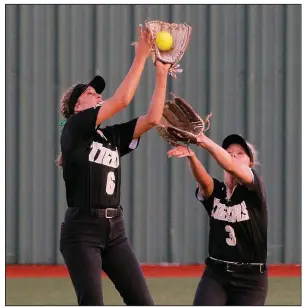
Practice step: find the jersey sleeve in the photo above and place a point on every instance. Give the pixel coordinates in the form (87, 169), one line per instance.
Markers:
(124, 137)
(208, 202)
(79, 127)
(258, 187)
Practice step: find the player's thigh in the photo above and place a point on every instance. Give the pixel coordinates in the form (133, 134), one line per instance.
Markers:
(210, 292)
(120, 264)
(83, 261)
(251, 292)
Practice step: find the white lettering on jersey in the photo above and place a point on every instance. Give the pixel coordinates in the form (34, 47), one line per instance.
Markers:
(231, 241)
(216, 204)
(245, 215)
(103, 155)
(110, 187)
(236, 213)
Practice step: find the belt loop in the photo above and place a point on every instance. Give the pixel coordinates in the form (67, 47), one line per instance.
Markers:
(227, 268)
(93, 213)
(263, 268)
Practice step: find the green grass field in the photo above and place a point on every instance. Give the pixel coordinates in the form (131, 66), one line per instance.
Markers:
(165, 291)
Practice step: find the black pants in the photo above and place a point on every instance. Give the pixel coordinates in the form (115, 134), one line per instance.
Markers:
(219, 287)
(90, 244)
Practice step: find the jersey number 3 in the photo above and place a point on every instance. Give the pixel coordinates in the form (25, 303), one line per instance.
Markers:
(110, 187)
(232, 239)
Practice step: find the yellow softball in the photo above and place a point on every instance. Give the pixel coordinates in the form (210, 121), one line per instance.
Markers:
(164, 41)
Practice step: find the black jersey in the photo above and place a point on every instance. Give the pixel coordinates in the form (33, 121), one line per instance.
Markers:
(238, 226)
(91, 159)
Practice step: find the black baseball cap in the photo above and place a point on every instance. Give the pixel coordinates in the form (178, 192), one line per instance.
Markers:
(237, 139)
(98, 83)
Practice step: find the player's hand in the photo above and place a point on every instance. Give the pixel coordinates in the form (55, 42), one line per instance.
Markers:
(180, 152)
(143, 46)
(162, 67)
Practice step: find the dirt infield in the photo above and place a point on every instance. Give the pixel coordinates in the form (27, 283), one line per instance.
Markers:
(23, 271)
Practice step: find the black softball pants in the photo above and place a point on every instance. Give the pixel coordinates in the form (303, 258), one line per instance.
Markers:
(220, 288)
(91, 244)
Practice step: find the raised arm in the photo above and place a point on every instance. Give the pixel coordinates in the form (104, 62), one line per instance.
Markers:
(240, 171)
(125, 93)
(199, 172)
(153, 116)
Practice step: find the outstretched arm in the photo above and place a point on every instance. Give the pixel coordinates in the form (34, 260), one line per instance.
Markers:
(240, 171)
(125, 93)
(199, 172)
(153, 116)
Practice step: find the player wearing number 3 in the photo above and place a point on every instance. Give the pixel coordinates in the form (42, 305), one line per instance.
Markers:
(93, 234)
(236, 271)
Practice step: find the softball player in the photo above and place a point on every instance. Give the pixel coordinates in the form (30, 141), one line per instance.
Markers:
(236, 271)
(93, 234)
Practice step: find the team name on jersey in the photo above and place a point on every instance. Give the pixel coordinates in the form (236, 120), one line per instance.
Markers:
(102, 155)
(236, 213)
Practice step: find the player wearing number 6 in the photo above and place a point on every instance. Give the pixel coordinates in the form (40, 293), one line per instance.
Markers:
(236, 271)
(93, 234)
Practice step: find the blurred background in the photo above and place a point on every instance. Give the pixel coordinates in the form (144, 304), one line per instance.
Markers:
(243, 64)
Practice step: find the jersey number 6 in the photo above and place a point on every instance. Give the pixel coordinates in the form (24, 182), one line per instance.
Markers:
(232, 239)
(110, 187)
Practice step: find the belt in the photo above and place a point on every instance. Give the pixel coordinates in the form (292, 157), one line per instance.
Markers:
(107, 213)
(236, 267)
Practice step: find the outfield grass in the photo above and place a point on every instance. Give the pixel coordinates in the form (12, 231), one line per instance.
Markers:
(165, 291)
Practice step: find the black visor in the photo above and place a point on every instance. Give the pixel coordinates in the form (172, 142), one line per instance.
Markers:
(98, 83)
